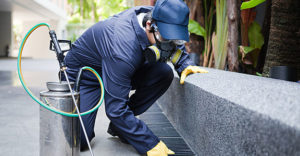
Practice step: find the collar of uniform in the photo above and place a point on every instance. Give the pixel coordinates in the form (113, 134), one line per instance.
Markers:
(140, 33)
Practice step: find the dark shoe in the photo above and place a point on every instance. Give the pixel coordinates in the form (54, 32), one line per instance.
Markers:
(114, 133)
(83, 148)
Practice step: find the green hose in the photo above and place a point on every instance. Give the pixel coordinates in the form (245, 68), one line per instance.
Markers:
(46, 105)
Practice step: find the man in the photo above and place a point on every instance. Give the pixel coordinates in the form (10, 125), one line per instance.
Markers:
(119, 48)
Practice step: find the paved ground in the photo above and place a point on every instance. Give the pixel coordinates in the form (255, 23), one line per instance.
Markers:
(19, 116)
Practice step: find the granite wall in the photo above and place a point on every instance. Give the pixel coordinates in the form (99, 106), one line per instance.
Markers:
(226, 113)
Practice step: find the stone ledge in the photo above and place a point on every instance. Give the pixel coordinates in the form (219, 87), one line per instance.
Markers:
(226, 113)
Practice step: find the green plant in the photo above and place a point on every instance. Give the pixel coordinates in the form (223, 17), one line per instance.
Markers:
(208, 18)
(206, 32)
(252, 39)
(258, 74)
(215, 48)
(94, 10)
(86, 9)
(256, 40)
(195, 28)
(111, 7)
(85, 13)
(251, 4)
(220, 39)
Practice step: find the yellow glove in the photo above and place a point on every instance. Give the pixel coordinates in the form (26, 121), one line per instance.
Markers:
(188, 70)
(160, 150)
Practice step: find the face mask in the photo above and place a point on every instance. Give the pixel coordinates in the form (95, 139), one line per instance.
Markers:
(163, 50)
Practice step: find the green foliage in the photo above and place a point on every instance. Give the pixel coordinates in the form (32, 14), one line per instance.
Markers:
(206, 31)
(256, 39)
(258, 74)
(82, 7)
(250, 54)
(251, 4)
(74, 19)
(196, 28)
(111, 7)
(209, 8)
(220, 41)
(95, 9)
(247, 50)
(87, 12)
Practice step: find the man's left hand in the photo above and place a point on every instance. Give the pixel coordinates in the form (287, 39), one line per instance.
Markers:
(190, 70)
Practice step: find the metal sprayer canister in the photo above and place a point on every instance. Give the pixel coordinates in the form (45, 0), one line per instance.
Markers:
(59, 135)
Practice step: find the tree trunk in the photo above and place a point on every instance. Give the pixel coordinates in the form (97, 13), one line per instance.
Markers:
(284, 39)
(232, 41)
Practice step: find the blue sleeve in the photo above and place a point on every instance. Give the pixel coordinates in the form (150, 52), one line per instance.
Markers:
(184, 61)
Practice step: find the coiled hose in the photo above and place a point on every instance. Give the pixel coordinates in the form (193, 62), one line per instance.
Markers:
(47, 106)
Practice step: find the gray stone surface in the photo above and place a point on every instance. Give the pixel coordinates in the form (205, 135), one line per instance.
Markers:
(225, 113)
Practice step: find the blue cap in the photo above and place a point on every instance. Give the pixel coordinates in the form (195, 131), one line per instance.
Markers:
(172, 19)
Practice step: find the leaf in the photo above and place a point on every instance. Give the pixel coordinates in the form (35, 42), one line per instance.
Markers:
(221, 34)
(247, 50)
(244, 51)
(258, 74)
(251, 4)
(195, 28)
(249, 55)
(256, 39)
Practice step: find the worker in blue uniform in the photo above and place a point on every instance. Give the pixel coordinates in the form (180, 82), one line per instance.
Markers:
(130, 51)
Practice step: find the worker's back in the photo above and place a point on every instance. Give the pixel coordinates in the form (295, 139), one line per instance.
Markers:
(118, 36)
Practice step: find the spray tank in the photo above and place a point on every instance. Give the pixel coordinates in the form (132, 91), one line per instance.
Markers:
(60, 118)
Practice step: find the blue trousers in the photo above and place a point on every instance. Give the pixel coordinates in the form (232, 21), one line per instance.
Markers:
(150, 82)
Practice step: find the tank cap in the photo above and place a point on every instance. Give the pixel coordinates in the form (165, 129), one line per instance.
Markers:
(59, 86)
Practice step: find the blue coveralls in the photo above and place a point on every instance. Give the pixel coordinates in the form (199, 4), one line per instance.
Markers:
(114, 48)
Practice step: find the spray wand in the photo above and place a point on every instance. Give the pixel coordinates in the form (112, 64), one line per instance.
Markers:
(60, 58)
